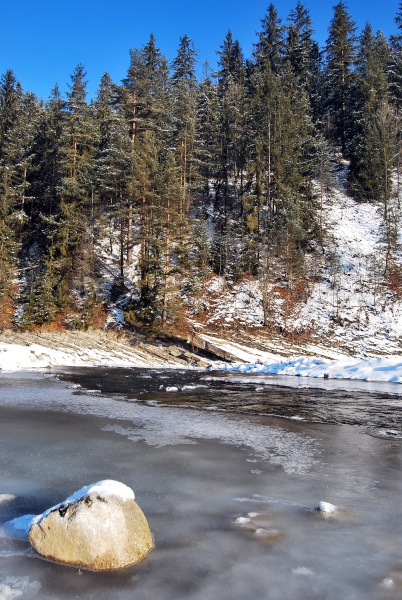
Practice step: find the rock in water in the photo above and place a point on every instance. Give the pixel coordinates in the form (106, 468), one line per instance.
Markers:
(99, 527)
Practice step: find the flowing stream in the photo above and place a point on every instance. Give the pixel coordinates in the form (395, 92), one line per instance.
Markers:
(229, 471)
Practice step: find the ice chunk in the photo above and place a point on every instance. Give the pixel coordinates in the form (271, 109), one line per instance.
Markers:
(326, 508)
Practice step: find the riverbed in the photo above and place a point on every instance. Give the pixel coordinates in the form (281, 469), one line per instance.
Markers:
(229, 472)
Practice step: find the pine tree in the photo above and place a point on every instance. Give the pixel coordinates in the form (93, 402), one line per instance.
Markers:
(146, 82)
(10, 222)
(286, 217)
(231, 63)
(44, 294)
(145, 190)
(385, 130)
(183, 102)
(114, 167)
(301, 50)
(231, 154)
(270, 46)
(339, 78)
(39, 305)
(77, 194)
(395, 62)
(371, 91)
(207, 134)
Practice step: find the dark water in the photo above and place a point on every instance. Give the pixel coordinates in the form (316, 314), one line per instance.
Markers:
(245, 446)
(378, 411)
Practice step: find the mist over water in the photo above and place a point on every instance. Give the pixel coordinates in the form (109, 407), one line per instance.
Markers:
(230, 497)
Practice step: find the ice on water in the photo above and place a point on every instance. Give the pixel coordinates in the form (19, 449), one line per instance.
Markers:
(191, 471)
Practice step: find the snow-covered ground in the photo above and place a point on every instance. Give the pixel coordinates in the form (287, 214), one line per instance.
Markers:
(346, 305)
(321, 364)
(350, 304)
(14, 357)
(388, 369)
(96, 348)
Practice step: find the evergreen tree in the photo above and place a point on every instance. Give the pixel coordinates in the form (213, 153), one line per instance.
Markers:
(44, 294)
(50, 168)
(76, 194)
(207, 134)
(145, 189)
(270, 46)
(285, 216)
(385, 128)
(371, 91)
(231, 158)
(340, 55)
(146, 82)
(301, 50)
(395, 62)
(10, 219)
(183, 102)
(185, 61)
(231, 63)
(114, 167)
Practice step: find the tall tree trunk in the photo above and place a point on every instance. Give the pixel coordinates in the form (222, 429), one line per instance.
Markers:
(166, 269)
(121, 260)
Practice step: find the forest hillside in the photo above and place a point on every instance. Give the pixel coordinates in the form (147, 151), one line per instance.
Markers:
(260, 201)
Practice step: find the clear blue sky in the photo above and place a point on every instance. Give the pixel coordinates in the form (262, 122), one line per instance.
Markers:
(43, 40)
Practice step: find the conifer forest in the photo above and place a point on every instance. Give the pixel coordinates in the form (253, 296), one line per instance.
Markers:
(181, 176)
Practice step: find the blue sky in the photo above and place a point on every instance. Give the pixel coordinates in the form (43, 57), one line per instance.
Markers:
(43, 40)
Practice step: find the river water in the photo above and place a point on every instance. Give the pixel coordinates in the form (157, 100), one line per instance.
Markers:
(229, 471)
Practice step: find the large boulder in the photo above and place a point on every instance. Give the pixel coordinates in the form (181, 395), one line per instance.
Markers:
(99, 527)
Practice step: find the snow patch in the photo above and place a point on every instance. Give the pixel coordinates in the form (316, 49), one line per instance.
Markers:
(386, 369)
(20, 526)
(18, 587)
(103, 489)
(6, 498)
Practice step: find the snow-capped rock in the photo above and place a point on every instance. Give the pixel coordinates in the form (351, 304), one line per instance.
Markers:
(99, 527)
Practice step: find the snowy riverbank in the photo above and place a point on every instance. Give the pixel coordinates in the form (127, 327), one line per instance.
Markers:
(25, 351)
(387, 369)
(314, 362)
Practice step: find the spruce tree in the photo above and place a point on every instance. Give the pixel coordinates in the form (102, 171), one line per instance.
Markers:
(371, 91)
(76, 194)
(113, 167)
(395, 62)
(301, 51)
(183, 102)
(285, 209)
(339, 77)
(10, 223)
(270, 46)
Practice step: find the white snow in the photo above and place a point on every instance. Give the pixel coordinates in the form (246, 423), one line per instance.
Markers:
(242, 520)
(386, 369)
(15, 357)
(20, 526)
(18, 587)
(6, 497)
(104, 489)
(327, 509)
(9, 593)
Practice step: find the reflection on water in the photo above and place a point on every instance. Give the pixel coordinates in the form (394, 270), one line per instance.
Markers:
(230, 497)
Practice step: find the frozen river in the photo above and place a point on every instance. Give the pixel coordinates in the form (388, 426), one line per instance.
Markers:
(228, 470)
